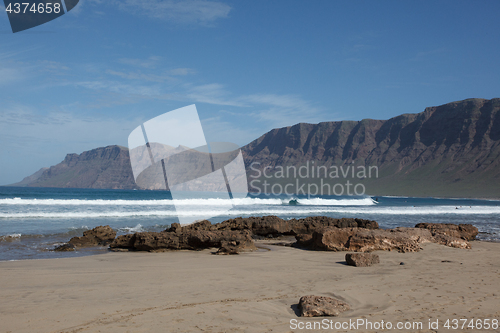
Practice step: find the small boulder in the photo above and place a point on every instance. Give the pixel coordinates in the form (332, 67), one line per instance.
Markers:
(319, 306)
(303, 240)
(362, 259)
(174, 227)
(231, 247)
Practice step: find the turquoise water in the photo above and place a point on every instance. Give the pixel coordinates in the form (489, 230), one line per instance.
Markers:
(35, 220)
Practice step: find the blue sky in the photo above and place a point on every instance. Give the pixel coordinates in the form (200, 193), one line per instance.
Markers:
(89, 78)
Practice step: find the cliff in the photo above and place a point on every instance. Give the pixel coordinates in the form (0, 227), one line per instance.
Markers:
(450, 150)
(104, 168)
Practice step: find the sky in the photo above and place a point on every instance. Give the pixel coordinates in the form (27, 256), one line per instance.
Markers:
(88, 78)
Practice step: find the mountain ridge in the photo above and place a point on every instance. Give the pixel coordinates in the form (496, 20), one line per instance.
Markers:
(447, 150)
(458, 142)
(101, 168)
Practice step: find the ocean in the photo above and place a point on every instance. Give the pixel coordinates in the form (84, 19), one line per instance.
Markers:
(35, 220)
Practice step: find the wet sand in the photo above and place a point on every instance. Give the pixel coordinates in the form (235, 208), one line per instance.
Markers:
(187, 291)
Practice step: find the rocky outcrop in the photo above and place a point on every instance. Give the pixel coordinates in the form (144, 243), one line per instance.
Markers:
(319, 306)
(230, 236)
(99, 236)
(273, 226)
(317, 233)
(196, 236)
(462, 231)
(365, 240)
(362, 259)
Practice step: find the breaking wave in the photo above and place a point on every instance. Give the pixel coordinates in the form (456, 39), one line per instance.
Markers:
(187, 202)
(278, 210)
(11, 237)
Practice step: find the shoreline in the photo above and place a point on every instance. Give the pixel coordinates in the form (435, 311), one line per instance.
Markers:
(260, 244)
(255, 291)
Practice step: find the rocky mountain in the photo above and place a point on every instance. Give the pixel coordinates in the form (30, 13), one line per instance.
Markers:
(104, 168)
(450, 150)
(31, 179)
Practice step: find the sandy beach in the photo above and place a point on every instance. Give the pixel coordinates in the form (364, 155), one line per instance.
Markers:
(185, 291)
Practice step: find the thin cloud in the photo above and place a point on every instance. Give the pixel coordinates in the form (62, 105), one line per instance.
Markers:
(38, 140)
(277, 117)
(182, 71)
(150, 62)
(147, 83)
(213, 93)
(201, 12)
(12, 67)
(139, 76)
(217, 129)
(120, 88)
(426, 54)
(10, 75)
(284, 110)
(289, 101)
(26, 122)
(272, 109)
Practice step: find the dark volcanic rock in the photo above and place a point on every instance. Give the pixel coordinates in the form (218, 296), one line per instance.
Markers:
(362, 259)
(463, 231)
(313, 223)
(123, 242)
(174, 227)
(153, 241)
(318, 306)
(207, 239)
(327, 239)
(400, 239)
(274, 226)
(318, 233)
(232, 247)
(102, 235)
(65, 248)
(262, 226)
(451, 241)
(366, 240)
(230, 236)
(186, 239)
(303, 240)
